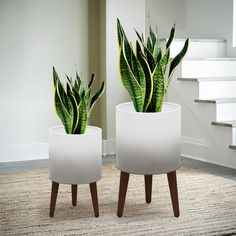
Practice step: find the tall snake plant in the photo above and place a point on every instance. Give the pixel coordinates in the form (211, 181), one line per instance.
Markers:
(73, 104)
(147, 71)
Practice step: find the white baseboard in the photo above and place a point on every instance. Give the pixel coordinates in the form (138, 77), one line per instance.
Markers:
(207, 161)
(23, 152)
(39, 151)
(108, 147)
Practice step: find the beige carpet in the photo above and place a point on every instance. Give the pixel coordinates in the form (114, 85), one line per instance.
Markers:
(207, 204)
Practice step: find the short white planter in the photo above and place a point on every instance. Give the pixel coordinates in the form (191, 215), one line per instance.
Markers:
(75, 158)
(148, 143)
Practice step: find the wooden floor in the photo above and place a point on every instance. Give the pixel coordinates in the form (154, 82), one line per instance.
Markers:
(12, 167)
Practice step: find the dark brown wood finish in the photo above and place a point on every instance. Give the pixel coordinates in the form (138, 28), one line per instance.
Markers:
(124, 179)
(74, 194)
(94, 195)
(173, 192)
(148, 188)
(54, 192)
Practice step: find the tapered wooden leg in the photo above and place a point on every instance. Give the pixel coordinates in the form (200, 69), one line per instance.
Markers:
(54, 192)
(94, 195)
(74, 194)
(148, 188)
(124, 179)
(173, 192)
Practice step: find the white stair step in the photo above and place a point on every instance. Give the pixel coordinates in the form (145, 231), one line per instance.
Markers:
(228, 123)
(217, 101)
(214, 87)
(208, 67)
(199, 47)
(208, 79)
(225, 107)
(232, 147)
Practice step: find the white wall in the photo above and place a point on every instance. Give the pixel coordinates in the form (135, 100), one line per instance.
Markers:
(132, 15)
(163, 14)
(35, 35)
(209, 19)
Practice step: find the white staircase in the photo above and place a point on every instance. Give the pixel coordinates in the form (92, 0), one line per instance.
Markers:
(205, 87)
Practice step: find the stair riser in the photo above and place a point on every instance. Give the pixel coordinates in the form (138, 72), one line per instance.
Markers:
(234, 136)
(208, 68)
(217, 89)
(225, 111)
(200, 49)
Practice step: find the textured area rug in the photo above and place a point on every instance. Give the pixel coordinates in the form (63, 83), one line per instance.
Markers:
(207, 206)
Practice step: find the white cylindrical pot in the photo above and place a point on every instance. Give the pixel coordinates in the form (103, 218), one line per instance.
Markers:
(75, 158)
(148, 143)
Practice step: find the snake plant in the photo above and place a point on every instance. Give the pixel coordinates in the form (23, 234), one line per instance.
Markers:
(74, 103)
(146, 72)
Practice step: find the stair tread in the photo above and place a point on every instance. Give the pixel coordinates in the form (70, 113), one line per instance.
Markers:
(207, 79)
(217, 100)
(196, 40)
(228, 123)
(210, 59)
(232, 147)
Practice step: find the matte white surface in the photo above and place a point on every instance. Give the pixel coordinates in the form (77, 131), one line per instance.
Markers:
(132, 15)
(217, 89)
(211, 19)
(226, 111)
(234, 136)
(148, 143)
(201, 48)
(36, 35)
(200, 139)
(210, 67)
(75, 159)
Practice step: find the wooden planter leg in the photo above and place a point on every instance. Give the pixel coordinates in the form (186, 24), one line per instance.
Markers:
(94, 195)
(124, 179)
(173, 192)
(74, 194)
(148, 188)
(54, 192)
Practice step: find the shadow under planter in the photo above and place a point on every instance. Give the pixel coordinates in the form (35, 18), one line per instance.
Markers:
(148, 144)
(75, 159)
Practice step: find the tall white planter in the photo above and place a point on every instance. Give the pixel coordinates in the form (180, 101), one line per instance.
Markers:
(148, 143)
(75, 158)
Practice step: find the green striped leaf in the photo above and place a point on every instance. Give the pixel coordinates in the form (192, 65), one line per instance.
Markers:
(153, 36)
(175, 62)
(165, 60)
(158, 88)
(83, 116)
(171, 37)
(81, 90)
(130, 83)
(87, 96)
(78, 78)
(140, 37)
(76, 95)
(91, 80)
(123, 41)
(55, 77)
(149, 45)
(148, 77)
(138, 72)
(157, 54)
(69, 80)
(65, 117)
(97, 95)
(119, 32)
(74, 106)
(150, 59)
